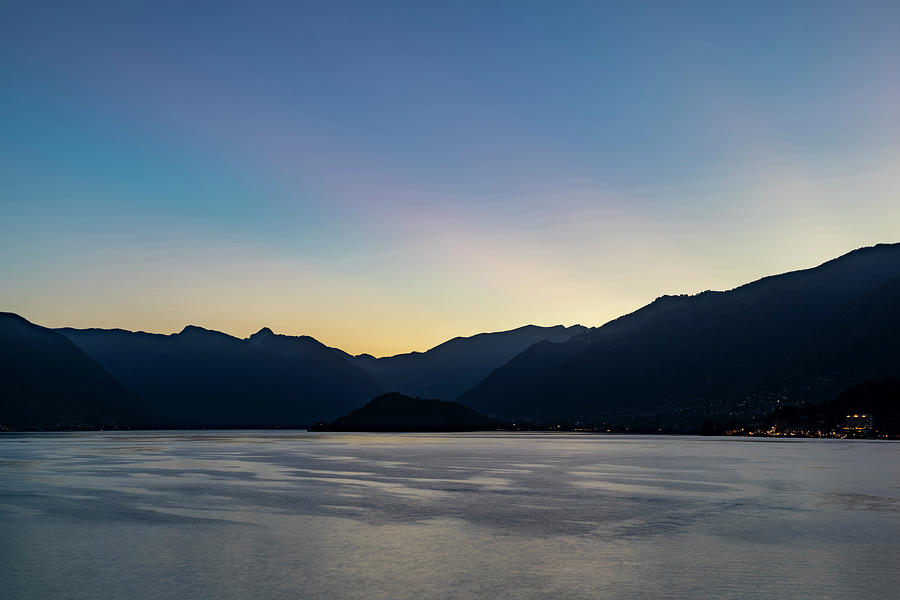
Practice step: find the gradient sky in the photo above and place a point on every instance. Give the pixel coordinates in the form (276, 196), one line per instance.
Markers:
(384, 176)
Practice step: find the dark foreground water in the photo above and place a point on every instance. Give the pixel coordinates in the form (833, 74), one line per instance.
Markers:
(308, 516)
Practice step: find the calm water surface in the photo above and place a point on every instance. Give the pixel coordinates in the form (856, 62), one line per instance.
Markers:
(308, 516)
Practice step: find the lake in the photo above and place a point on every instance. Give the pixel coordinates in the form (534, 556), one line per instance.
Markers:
(341, 516)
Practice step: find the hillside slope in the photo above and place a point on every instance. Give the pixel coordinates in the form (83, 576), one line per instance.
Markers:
(206, 378)
(449, 369)
(398, 412)
(46, 381)
(804, 335)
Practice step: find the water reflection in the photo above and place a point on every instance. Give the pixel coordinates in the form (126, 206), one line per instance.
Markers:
(231, 515)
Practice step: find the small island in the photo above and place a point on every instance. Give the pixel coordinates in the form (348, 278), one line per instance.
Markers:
(399, 412)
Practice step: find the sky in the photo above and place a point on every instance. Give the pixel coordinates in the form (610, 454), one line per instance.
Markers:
(385, 175)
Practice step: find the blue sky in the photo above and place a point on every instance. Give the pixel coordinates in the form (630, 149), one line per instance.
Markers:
(384, 176)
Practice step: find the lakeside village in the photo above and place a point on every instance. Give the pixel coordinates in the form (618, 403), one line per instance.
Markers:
(868, 411)
(855, 426)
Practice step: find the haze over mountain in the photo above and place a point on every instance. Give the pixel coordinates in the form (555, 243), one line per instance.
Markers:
(47, 381)
(206, 378)
(804, 335)
(449, 369)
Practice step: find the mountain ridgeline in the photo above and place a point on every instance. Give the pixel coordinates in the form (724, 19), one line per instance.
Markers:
(448, 370)
(47, 381)
(203, 378)
(786, 340)
(798, 337)
(71, 378)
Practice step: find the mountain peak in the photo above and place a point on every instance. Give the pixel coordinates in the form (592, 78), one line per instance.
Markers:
(195, 332)
(261, 335)
(192, 329)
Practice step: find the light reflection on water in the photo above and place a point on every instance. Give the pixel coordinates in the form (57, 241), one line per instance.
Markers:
(298, 515)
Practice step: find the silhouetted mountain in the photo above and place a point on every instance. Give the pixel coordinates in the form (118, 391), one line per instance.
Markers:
(48, 382)
(447, 370)
(207, 378)
(803, 335)
(398, 412)
(784, 340)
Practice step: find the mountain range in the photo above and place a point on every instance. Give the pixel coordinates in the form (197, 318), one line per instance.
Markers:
(799, 337)
(70, 377)
(451, 368)
(203, 378)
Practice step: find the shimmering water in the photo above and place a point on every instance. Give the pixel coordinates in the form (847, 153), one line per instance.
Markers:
(308, 516)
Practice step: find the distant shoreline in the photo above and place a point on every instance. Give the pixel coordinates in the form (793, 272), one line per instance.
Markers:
(9, 431)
